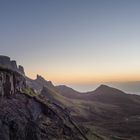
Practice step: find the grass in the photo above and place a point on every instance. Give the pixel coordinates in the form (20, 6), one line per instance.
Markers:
(29, 91)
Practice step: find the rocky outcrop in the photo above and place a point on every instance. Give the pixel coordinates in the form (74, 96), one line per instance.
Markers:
(11, 82)
(12, 79)
(6, 63)
(39, 83)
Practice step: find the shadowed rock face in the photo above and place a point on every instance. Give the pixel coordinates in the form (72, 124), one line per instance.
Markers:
(21, 69)
(12, 79)
(5, 62)
(11, 82)
(14, 64)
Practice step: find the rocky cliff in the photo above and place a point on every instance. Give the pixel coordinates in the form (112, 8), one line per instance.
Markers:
(7, 63)
(12, 79)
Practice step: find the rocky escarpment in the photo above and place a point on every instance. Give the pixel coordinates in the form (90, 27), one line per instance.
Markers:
(12, 79)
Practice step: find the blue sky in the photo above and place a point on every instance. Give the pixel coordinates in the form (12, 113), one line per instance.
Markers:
(73, 41)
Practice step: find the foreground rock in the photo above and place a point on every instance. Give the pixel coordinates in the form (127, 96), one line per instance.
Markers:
(25, 118)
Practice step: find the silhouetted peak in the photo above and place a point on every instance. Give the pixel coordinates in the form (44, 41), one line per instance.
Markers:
(39, 82)
(106, 89)
(40, 78)
(104, 86)
(63, 87)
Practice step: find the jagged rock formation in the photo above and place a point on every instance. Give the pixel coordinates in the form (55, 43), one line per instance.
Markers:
(39, 83)
(12, 79)
(6, 63)
(11, 82)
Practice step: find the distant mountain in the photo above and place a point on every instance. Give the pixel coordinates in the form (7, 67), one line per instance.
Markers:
(106, 94)
(101, 93)
(68, 92)
(104, 89)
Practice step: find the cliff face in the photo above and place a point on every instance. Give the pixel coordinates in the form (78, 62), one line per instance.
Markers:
(12, 79)
(10, 82)
(7, 63)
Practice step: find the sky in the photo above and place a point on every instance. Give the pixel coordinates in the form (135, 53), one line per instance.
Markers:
(73, 42)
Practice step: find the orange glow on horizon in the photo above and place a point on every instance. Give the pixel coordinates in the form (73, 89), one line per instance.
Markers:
(89, 78)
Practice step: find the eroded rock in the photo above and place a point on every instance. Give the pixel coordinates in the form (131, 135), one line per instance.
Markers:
(11, 82)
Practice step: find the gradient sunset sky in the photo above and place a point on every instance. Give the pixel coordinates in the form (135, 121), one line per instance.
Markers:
(74, 42)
